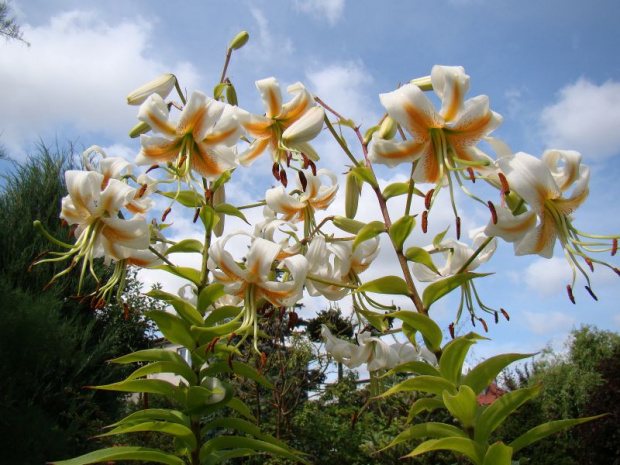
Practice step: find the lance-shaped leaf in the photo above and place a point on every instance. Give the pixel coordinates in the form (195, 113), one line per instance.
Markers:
(230, 210)
(453, 356)
(228, 442)
(221, 313)
(209, 217)
(123, 453)
(466, 446)
(151, 386)
(378, 320)
(206, 334)
(365, 174)
(174, 429)
(372, 229)
(542, 431)
(150, 355)
(386, 285)
(483, 374)
(425, 325)
(208, 296)
(175, 329)
(497, 412)
(185, 246)
(419, 368)
(395, 189)
(239, 369)
(427, 430)
(191, 274)
(219, 182)
(400, 230)
(242, 426)
(173, 416)
(498, 454)
(183, 307)
(439, 238)
(421, 256)
(348, 225)
(182, 370)
(199, 396)
(464, 405)
(188, 199)
(424, 383)
(223, 455)
(438, 289)
(424, 404)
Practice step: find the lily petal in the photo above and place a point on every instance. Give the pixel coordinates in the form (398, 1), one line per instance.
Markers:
(450, 84)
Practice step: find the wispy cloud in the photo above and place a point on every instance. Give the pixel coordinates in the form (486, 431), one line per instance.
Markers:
(331, 10)
(547, 323)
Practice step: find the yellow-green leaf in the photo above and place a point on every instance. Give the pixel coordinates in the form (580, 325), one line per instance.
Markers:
(425, 325)
(386, 285)
(463, 405)
(419, 255)
(372, 229)
(400, 230)
(185, 246)
(438, 289)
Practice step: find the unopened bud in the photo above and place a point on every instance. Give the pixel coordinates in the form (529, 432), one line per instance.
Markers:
(161, 86)
(351, 195)
(231, 95)
(424, 83)
(239, 40)
(219, 197)
(388, 128)
(140, 128)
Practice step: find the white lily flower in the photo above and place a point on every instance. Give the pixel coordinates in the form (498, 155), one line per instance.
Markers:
(315, 196)
(375, 352)
(288, 126)
(202, 140)
(440, 139)
(271, 225)
(320, 266)
(342, 351)
(160, 86)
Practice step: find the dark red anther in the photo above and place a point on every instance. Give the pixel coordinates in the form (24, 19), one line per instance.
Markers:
(427, 199)
(472, 176)
(153, 167)
(425, 221)
(570, 293)
(101, 303)
(230, 338)
(504, 182)
(289, 157)
(591, 293)
(281, 313)
(269, 312)
(458, 228)
(263, 359)
(473, 321)
(493, 212)
(71, 232)
(614, 246)
(64, 223)
(616, 270)
(293, 317)
(142, 191)
(484, 325)
(182, 161)
(505, 313)
(211, 345)
(283, 178)
(302, 180)
(126, 311)
(230, 360)
(354, 419)
(451, 329)
(312, 167)
(275, 170)
(196, 214)
(306, 161)
(590, 264)
(496, 316)
(163, 217)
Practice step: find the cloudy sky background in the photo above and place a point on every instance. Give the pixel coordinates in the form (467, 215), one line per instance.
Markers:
(550, 68)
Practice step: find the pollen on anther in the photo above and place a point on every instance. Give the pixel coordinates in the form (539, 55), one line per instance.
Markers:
(614, 247)
(153, 167)
(163, 217)
(312, 167)
(472, 176)
(590, 264)
(428, 198)
(504, 182)
(493, 212)
(569, 290)
(275, 170)
(484, 324)
(142, 191)
(591, 293)
(425, 221)
(283, 178)
(458, 228)
(505, 313)
(196, 214)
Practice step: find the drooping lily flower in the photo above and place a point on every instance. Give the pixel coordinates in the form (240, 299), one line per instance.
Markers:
(284, 127)
(440, 140)
(544, 185)
(203, 140)
(312, 196)
(255, 281)
(268, 228)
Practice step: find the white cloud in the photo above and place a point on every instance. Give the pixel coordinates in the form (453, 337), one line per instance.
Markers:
(268, 47)
(547, 276)
(550, 322)
(585, 118)
(331, 10)
(76, 75)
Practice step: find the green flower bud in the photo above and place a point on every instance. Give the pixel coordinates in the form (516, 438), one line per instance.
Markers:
(353, 189)
(140, 128)
(239, 41)
(424, 83)
(162, 86)
(388, 128)
(231, 95)
(219, 196)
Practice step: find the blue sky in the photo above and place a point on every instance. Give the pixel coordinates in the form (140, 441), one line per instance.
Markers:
(550, 68)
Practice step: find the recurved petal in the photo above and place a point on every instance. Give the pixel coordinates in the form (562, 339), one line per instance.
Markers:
(509, 227)
(579, 195)
(132, 233)
(217, 113)
(272, 96)
(226, 132)
(450, 84)
(84, 189)
(410, 108)
(566, 173)
(195, 116)
(114, 167)
(260, 259)
(222, 263)
(298, 106)
(255, 150)
(474, 123)
(154, 112)
(114, 197)
(256, 126)
(279, 201)
(156, 149)
(392, 153)
(210, 161)
(305, 128)
(530, 178)
(540, 240)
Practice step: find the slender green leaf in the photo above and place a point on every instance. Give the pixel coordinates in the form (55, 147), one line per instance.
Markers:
(372, 229)
(420, 368)
(547, 429)
(209, 217)
(206, 334)
(152, 386)
(186, 246)
(424, 404)
(223, 179)
(386, 285)
(237, 368)
(208, 296)
(180, 369)
(175, 329)
(453, 356)
(152, 414)
(189, 199)
(242, 426)
(150, 355)
(184, 309)
(497, 412)
(466, 446)
(438, 289)
(419, 255)
(221, 313)
(237, 404)
(424, 383)
(464, 405)
(498, 454)
(439, 237)
(427, 430)
(191, 274)
(219, 456)
(123, 453)
(425, 325)
(230, 210)
(483, 374)
(400, 230)
(227, 442)
(174, 429)
(395, 189)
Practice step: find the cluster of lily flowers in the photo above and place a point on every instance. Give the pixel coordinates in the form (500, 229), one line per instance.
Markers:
(210, 138)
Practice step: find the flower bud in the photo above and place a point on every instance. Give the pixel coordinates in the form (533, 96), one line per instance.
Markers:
(140, 128)
(352, 195)
(231, 95)
(239, 40)
(424, 83)
(219, 196)
(162, 86)
(388, 128)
